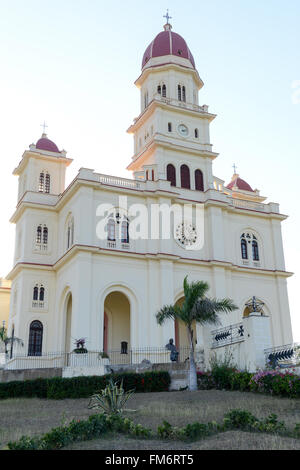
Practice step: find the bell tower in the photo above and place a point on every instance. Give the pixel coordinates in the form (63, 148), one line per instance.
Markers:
(172, 130)
(42, 168)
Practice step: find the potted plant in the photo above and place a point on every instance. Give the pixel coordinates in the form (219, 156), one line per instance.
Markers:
(80, 346)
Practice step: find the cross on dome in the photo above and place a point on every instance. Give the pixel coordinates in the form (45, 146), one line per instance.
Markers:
(167, 16)
(44, 126)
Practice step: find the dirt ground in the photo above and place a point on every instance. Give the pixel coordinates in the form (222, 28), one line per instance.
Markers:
(36, 416)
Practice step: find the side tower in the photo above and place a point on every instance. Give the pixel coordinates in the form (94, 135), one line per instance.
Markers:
(172, 130)
(41, 173)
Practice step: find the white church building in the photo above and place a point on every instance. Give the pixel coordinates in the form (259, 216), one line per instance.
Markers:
(67, 283)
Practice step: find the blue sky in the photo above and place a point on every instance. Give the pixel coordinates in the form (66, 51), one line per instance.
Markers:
(73, 63)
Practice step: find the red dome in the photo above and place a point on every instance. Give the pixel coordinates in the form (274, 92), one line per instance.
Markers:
(46, 144)
(240, 184)
(168, 43)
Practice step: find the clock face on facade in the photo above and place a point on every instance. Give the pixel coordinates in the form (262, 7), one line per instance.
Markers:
(186, 234)
(183, 130)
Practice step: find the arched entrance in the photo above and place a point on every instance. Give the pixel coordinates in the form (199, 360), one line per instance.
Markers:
(181, 336)
(116, 327)
(68, 325)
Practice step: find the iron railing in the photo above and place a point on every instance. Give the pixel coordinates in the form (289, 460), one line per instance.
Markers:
(228, 335)
(283, 356)
(97, 358)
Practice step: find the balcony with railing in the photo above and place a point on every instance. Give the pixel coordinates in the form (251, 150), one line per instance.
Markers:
(116, 181)
(228, 335)
(181, 104)
(283, 356)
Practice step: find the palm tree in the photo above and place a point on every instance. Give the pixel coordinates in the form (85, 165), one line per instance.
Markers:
(9, 340)
(195, 308)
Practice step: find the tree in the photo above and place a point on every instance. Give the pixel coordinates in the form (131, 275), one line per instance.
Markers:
(195, 308)
(9, 340)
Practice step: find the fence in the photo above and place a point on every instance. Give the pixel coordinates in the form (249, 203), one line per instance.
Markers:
(98, 358)
(283, 356)
(228, 335)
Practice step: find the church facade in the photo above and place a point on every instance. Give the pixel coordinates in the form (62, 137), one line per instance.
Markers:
(68, 283)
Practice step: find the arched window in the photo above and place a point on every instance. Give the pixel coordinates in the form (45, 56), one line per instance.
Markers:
(179, 93)
(45, 235)
(171, 174)
(169, 127)
(244, 249)
(250, 242)
(111, 230)
(41, 182)
(35, 343)
(44, 182)
(35, 293)
(70, 232)
(146, 99)
(38, 297)
(153, 178)
(199, 185)
(42, 294)
(185, 177)
(159, 89)
(255, 252)
(183, 94)
(125, 232)
(39, 234)
(196, 133)
(164, 91)
(47, 183)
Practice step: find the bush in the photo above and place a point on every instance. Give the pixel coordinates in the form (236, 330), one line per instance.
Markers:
(239, 419)
(240, 381)
(274, 382)
(95, 426)
(98, 425)
(83, 387)
(205, 381)
(284, 384)
(222, 371)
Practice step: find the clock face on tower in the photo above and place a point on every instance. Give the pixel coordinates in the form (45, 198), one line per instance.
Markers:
(186, 234)
(183, 130)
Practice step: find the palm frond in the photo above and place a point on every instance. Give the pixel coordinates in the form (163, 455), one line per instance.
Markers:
(207, 310)
(196, 291)
(13, 339)
(167, 312)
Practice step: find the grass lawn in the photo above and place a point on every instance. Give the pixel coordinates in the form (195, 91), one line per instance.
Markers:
(36, 416)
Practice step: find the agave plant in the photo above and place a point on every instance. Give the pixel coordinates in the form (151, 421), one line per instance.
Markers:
(111, 400)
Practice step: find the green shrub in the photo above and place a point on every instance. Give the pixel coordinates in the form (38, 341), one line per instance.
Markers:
(112, 399)
(222, 370)
(83, 387)
(275, 382)
(95, 426)
(296, 431)
(165, 431)
(239, 419)
(98, 425)
(200, 431)
(271, 424)
(205, 381)
(240, 381)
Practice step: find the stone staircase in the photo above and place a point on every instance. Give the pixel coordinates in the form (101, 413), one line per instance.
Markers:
(179, 373)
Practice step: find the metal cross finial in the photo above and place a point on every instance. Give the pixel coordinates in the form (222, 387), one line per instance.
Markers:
(234, 168)
(44, 126)
(167, 16)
